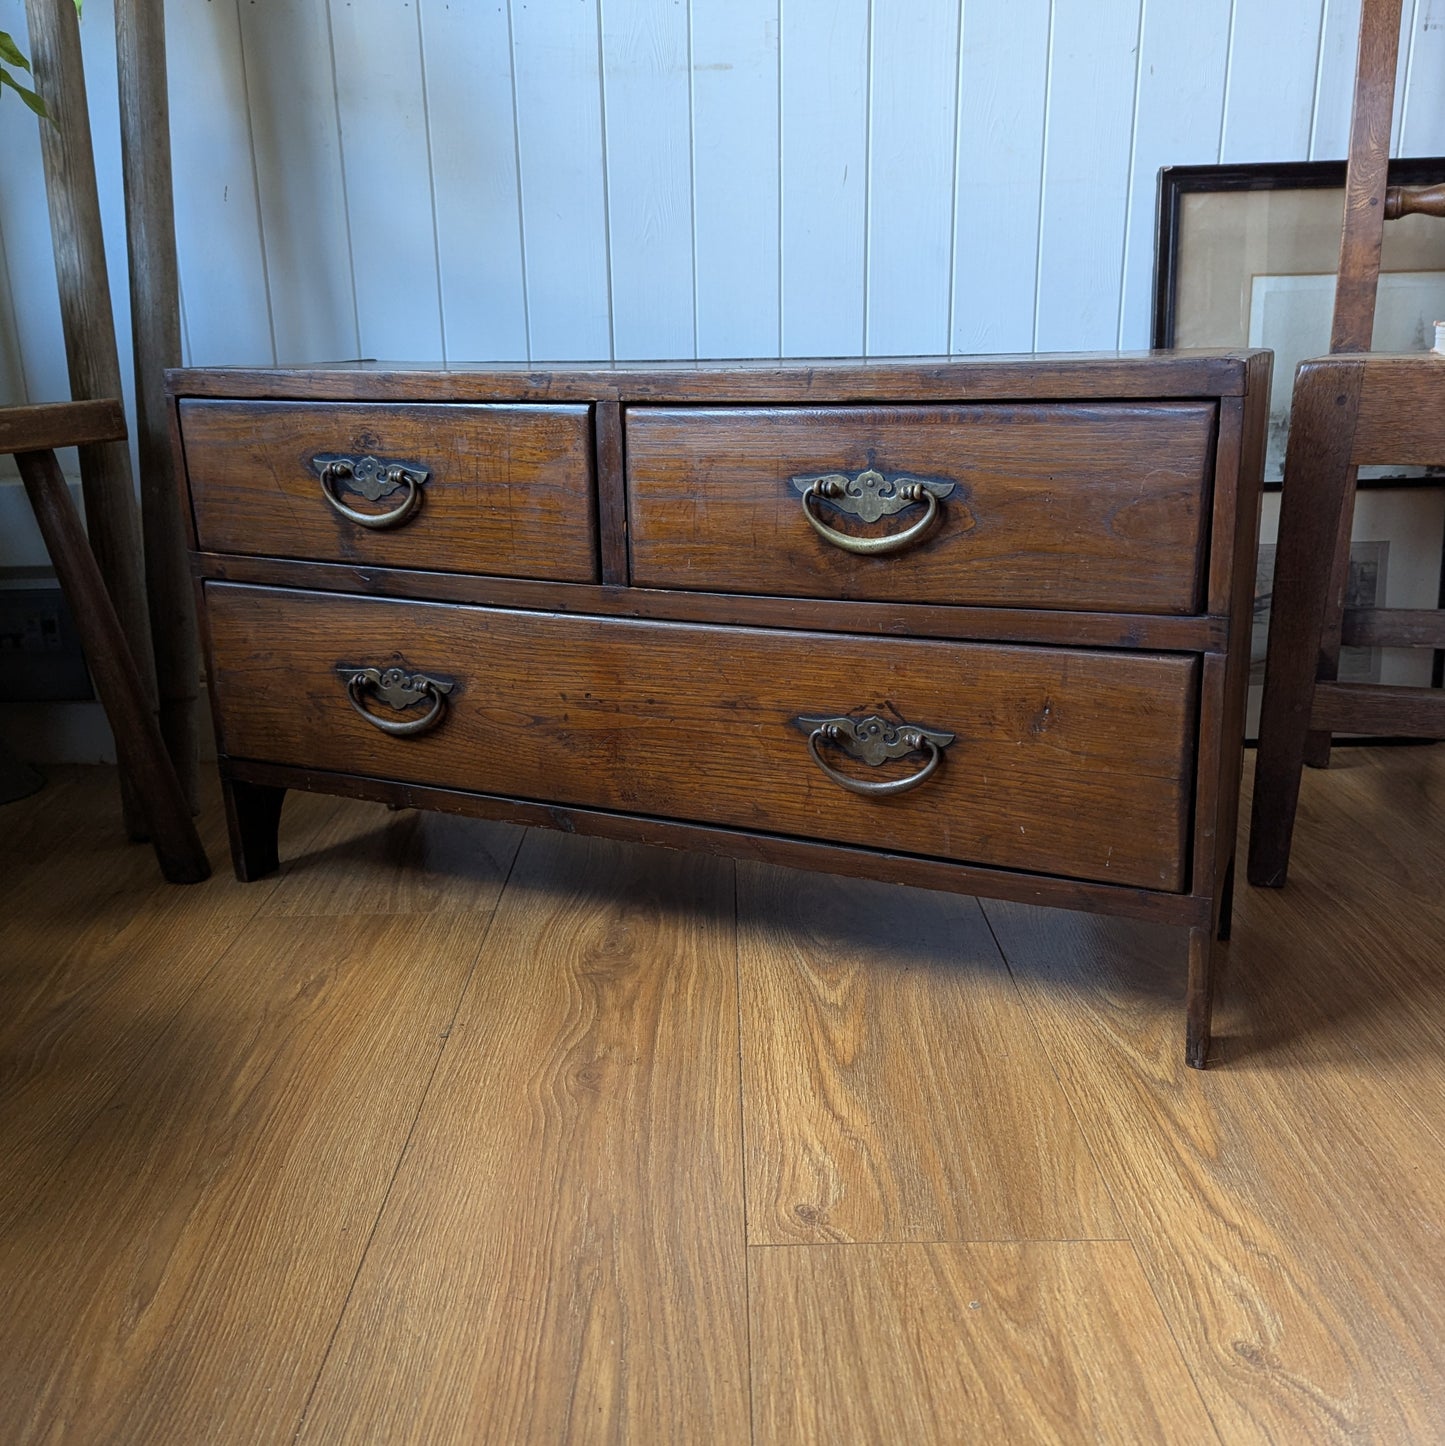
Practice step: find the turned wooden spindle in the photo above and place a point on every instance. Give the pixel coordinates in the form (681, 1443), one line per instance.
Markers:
(1414, 201)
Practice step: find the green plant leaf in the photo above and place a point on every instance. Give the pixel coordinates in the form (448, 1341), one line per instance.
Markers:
(28, 96)
(10, 52)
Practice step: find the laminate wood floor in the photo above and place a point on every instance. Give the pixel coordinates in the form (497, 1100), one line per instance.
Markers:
(457, 1133)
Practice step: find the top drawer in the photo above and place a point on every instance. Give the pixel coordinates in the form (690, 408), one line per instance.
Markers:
(505, 490)
(1068, 505)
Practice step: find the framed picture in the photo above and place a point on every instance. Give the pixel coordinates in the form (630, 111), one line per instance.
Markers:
(1395, 562)
(1247, 256)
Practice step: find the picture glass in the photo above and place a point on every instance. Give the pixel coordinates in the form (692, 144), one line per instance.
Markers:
(1399, 535)
(1257, 268)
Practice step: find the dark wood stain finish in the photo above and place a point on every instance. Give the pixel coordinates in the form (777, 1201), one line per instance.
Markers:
(611, 498)
(1203, 633)
(1081, 632)
(1085, 507)
(1326, 401)
(1369, 708)
(510, 490)
(1393, 389)
(48, 425)
(1070, 763)
(1111, 376)
(827, 858)
(160, 799)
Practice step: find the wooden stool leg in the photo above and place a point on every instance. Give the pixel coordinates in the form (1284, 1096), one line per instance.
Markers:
(137, 735)
(1317, 474)
(1200, 1002)
(253, 817)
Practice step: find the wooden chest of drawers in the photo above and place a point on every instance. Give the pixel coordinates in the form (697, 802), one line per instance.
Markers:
(974, 625)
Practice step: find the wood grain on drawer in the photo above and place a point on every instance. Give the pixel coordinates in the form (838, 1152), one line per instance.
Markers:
(1066, 761)
(1093, 506)
(508, 488)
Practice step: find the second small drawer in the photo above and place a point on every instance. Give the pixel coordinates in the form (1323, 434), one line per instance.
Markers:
(1099, 506)
(486, 488)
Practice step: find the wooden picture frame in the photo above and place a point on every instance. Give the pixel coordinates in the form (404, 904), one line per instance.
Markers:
(1246, 255)
(1235, 243)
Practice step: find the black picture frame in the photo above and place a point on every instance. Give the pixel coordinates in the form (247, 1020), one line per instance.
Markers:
(1175, 182)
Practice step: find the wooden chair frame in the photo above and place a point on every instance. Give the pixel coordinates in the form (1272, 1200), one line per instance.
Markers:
(1349, 409)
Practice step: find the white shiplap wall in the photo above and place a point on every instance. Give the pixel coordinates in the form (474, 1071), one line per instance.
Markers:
(583, 179)
(553, 179)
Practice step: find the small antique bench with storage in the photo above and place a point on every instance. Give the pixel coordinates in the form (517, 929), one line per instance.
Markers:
(979, 625)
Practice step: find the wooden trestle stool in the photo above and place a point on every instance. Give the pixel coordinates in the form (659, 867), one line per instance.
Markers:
(33, 434)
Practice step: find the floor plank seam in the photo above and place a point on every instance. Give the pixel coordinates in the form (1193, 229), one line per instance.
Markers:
(1027, 1012)
(406, 1143)
(1084, 1135)
(943, 1240)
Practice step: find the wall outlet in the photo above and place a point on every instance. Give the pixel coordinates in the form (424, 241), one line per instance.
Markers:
(40, 654)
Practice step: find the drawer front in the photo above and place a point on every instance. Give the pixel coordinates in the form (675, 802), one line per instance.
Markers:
(1100, 507)
(1062, 761)
(504, 490)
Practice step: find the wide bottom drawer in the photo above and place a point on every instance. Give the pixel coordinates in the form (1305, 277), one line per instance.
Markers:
(1056, 761)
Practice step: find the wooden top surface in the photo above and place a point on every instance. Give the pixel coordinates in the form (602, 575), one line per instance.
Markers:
(1054, 376)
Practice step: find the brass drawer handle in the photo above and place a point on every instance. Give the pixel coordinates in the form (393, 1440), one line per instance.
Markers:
(875, 740)
(398, 689)
(374, 479)
(869, 496)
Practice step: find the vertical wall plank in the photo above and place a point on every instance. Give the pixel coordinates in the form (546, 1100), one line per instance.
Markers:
(1408, 10)
(291, 87)
(735, 162)
(1003, 74)
(1334, 77)
(912, 167)
(218, 227)
(556, 53)
(1273, 61)
(648, 119)
(1185, 51)
(1335, 82)
(825, 175)
(13, 391)
(468, 55)
(1092, 86)
(381, 101)
(1423, 127)
(758, 241)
